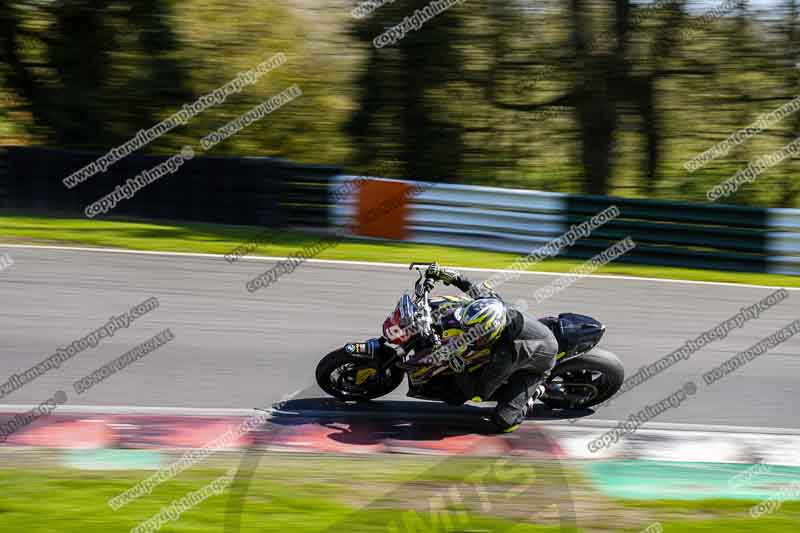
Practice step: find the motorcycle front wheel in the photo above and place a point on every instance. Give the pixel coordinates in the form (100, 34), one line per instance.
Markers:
(355, 379)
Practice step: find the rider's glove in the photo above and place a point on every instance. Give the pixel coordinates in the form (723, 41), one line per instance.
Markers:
(445, 275)
(428, 342)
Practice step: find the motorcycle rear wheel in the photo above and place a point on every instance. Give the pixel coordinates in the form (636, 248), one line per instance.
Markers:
(585, 381)
(355, 379)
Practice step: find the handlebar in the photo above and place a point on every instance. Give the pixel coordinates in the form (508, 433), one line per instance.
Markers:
(412, 266)
(422, 289)
(424, 284)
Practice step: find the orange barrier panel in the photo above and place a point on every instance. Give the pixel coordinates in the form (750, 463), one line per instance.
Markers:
(383, 209)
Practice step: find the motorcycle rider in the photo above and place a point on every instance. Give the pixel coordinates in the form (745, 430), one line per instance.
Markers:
(523, 350)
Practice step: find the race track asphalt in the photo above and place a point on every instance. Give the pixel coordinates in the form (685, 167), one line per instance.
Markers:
(236, 349)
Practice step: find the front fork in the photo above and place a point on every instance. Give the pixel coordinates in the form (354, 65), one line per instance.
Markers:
(383, 353)
(364, 350)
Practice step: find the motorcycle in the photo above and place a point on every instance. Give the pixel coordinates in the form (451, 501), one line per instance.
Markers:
(423, 339)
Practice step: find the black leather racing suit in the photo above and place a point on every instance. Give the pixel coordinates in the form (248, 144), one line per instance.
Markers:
(521, 359)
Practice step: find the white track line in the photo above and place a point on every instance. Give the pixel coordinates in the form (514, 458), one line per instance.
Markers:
(132, 410)
(673, 426)
(392, 265)
(229, 411)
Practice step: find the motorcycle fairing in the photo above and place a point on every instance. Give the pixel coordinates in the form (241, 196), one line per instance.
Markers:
(421, 371)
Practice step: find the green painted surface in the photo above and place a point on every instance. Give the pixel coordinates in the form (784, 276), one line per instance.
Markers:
(113, 459)
(655, 480)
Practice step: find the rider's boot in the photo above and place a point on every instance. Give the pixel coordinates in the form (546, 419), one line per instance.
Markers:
(515, 401)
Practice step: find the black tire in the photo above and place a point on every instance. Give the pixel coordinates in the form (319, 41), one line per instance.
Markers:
(598, 369)
(340, 360)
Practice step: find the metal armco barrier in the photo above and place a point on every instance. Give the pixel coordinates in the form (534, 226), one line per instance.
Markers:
(677, 234)
(229, 190)
(461, 215)
(784, 241)
(276, 193)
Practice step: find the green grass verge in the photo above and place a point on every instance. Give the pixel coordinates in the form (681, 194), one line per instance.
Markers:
(729, 516)
(223, 239)
(312, 493)
(296, 494)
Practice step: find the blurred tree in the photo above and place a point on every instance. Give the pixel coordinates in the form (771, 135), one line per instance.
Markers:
(77, 47)
(790, 185)
(91, 73)
(161, 77)
(60, 58)
(601, 81)
(373, 93)
(647, 96)
(599, 96)
(599, 90)
(407, 84)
